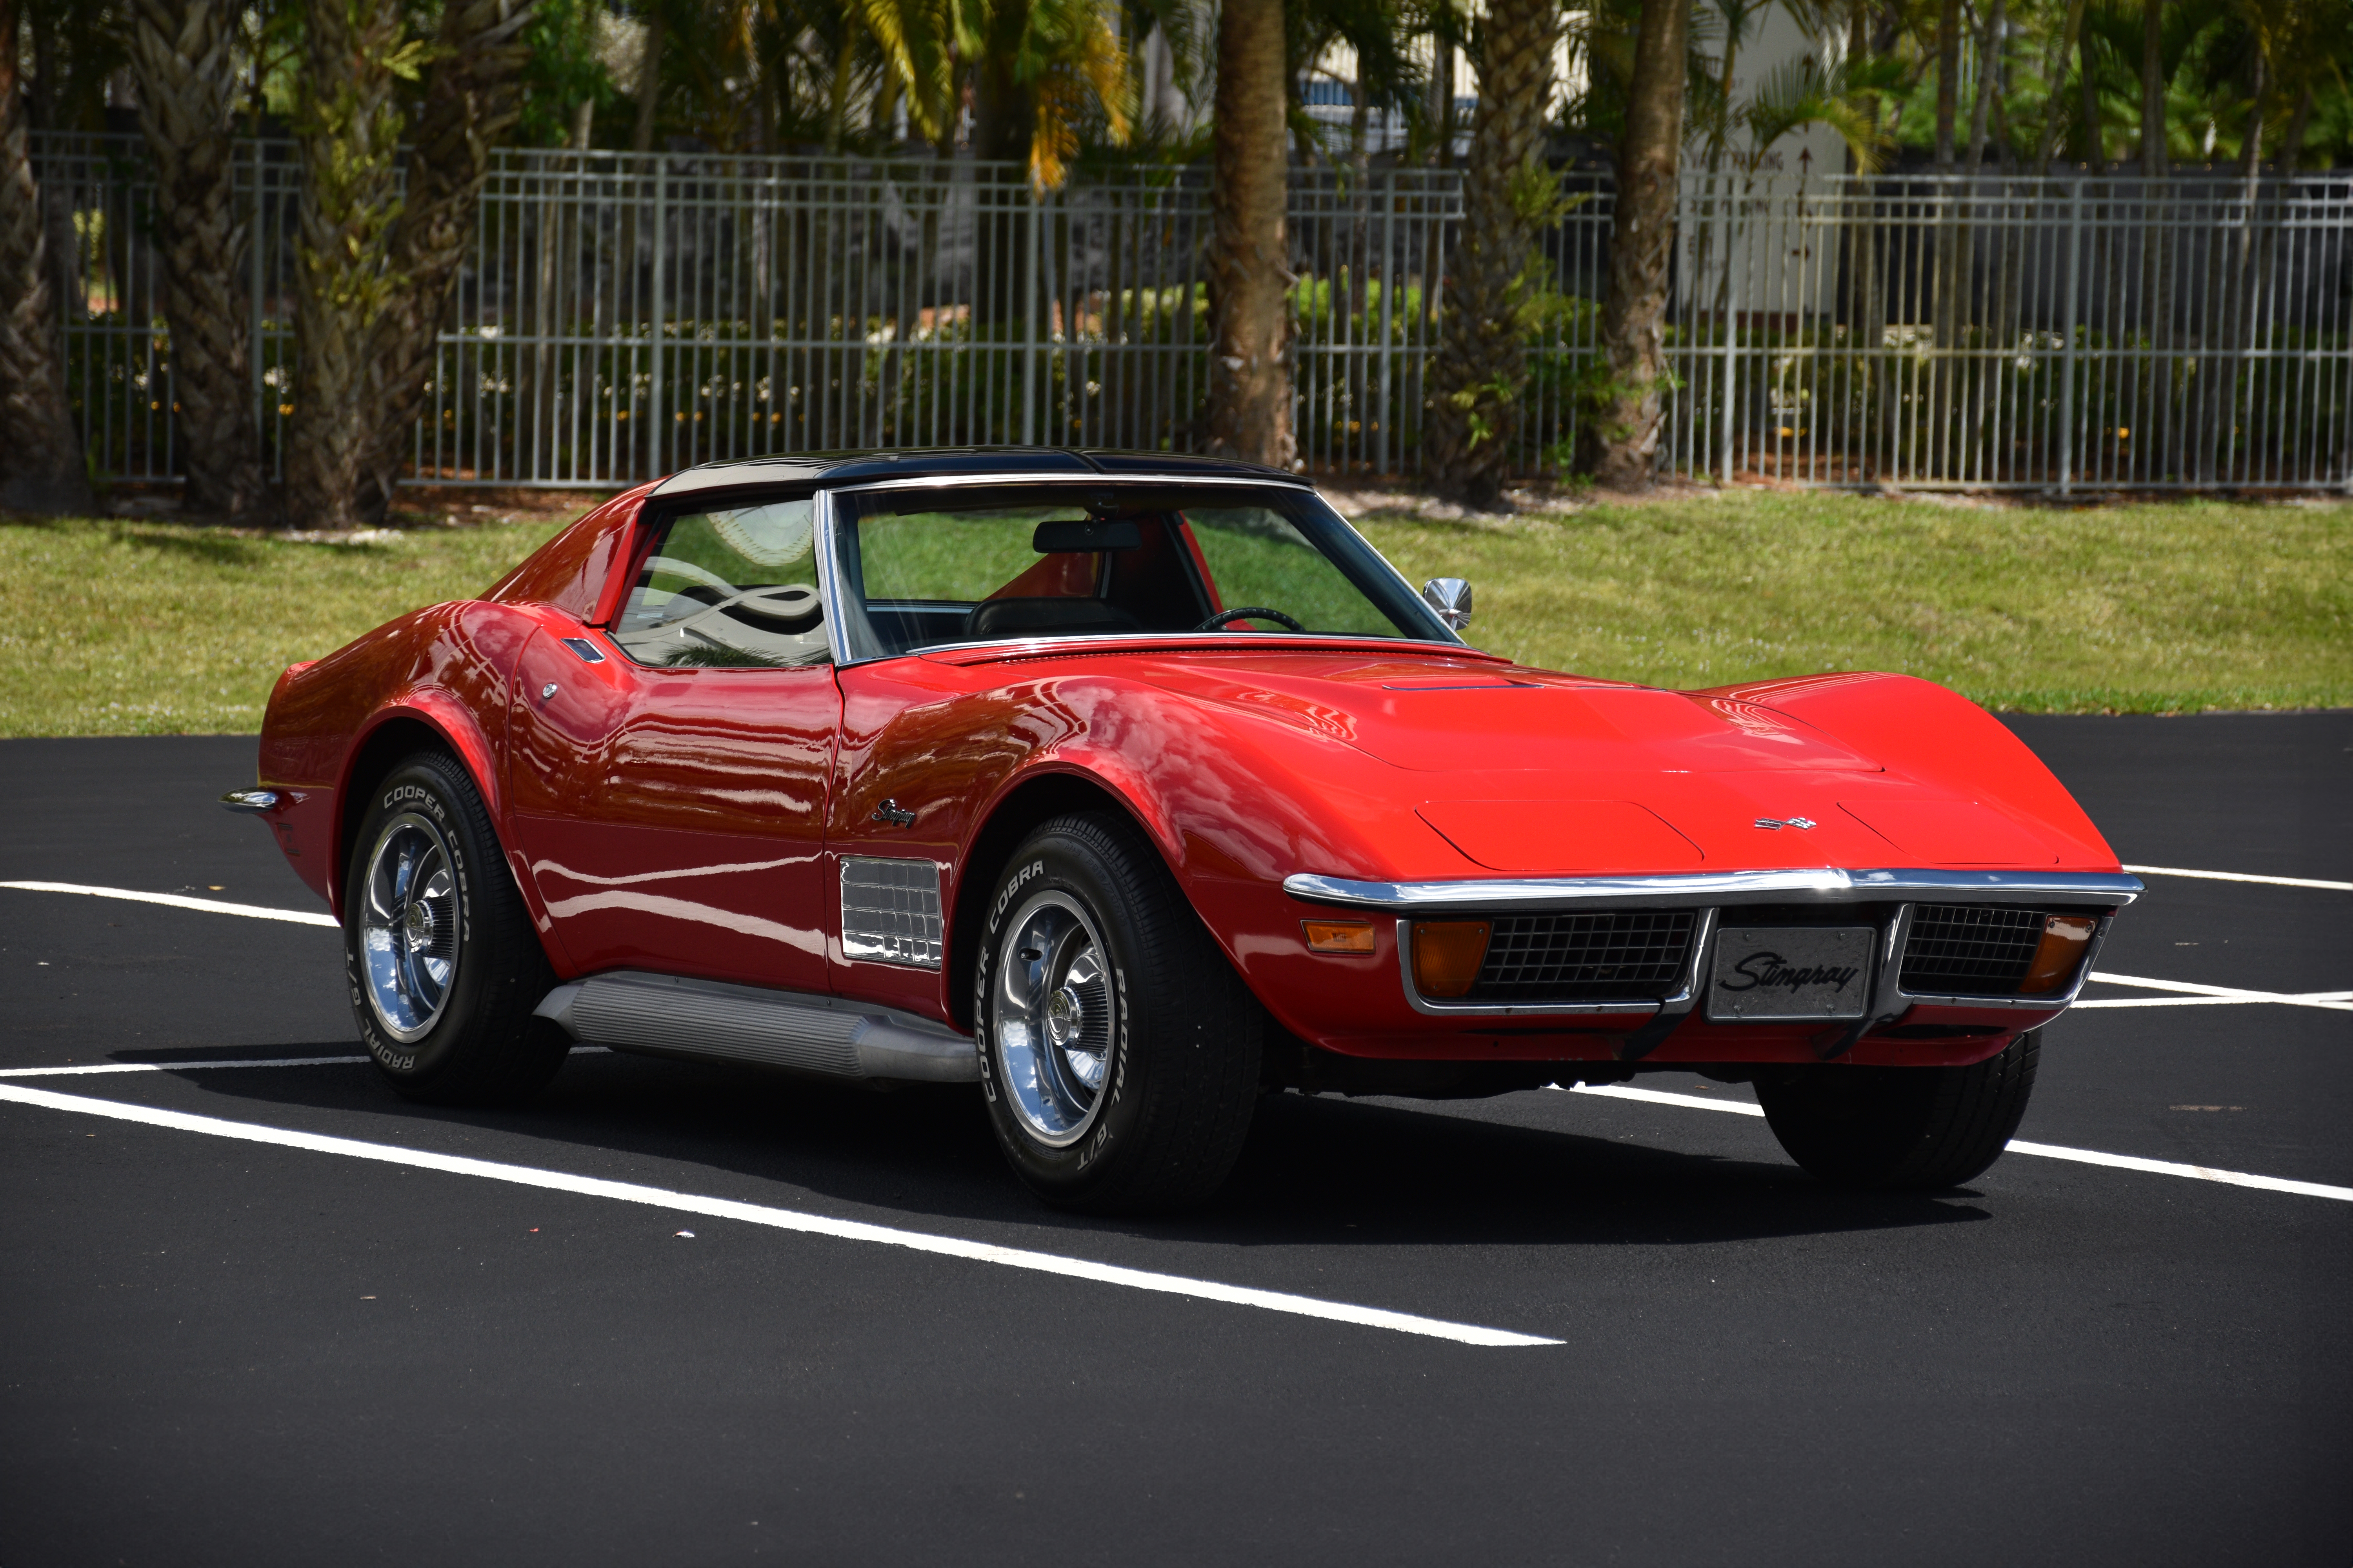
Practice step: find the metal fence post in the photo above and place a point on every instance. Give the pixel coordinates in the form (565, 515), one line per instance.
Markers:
(253, 337)
(1729, 221)
(1029, 332)
(2067, 348)
(657, 442)
(1389, 306)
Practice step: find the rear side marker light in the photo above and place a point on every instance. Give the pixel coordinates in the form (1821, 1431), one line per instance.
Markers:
(2065, 940)
(1338, 936)
(1447, 955)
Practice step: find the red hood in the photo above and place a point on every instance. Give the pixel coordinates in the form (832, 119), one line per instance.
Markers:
(1533, 771)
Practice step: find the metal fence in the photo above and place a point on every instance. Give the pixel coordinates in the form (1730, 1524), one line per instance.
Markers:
(623, 315)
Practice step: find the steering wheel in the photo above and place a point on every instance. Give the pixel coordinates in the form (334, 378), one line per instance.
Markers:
(794, 608)
(1248, 613)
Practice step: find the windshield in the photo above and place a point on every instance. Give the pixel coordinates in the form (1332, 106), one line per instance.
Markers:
(926, 568)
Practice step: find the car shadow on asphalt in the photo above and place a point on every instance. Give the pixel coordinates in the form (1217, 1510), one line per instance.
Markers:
(1315, 1171)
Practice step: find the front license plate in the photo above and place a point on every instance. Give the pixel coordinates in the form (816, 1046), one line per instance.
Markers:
(1765, 973)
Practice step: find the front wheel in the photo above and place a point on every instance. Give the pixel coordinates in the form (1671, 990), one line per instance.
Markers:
(444, 966)
(1119, 1049)
(1901, 1127)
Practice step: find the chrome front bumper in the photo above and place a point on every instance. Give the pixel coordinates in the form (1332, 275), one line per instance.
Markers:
(1715, 896)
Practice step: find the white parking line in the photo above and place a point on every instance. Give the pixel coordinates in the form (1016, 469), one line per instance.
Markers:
(781, 1219)
(2199, 996)
(2213, 995)
(2015, 1146)
(2241, 877)
(177, 1066)
(175, 900)
(95, 1067)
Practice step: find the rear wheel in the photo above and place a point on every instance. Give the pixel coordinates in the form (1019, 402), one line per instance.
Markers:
(443, 965)
(1901, 1127)
(1119, 1049)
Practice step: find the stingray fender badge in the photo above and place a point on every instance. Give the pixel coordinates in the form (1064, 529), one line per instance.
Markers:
(891, 812)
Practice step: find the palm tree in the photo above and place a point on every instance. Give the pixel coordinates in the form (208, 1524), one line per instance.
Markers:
(472, 97)
(40, 451)
(1250, 303)
(1040, 70)
(184, 53)
(349, 127)
(1493, 278)
(375, 270)
(1620, 436)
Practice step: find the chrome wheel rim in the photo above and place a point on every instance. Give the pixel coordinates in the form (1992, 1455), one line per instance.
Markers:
(1053, 1010)
(408, 926)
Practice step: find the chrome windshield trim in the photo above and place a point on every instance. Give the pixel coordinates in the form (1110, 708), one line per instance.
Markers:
(828, 583)
(1182, 642)
(1697, 889)
(1082, 481)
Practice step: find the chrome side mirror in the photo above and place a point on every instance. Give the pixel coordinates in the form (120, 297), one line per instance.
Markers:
(1451, 597)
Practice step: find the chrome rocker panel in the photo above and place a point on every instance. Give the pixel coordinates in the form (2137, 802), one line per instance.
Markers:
(666, 1015)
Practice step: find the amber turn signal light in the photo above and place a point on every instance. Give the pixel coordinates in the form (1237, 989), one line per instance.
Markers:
(2065, 940)
(1447, 955)
(1338, 936)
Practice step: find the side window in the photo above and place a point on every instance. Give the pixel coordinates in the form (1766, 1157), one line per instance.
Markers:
(733, 590)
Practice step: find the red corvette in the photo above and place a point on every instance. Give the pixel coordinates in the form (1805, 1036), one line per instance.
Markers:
(1132, 788)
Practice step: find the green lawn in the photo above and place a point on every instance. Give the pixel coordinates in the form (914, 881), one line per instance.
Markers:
(148, 628)
(126, 627)
(2142, 608)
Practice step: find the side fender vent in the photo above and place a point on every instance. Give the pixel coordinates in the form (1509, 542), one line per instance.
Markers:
(891, 911)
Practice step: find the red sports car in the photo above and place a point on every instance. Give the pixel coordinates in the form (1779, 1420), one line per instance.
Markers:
(1132, 788)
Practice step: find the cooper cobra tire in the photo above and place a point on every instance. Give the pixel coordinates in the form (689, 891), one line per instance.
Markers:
(1901, 1127)
(1119, 1049)
(438, 950)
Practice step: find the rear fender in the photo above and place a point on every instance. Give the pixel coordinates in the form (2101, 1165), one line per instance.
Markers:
(419, 721)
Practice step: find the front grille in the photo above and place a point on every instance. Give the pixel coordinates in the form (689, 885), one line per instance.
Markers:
(1636, 956)
(1969, 949)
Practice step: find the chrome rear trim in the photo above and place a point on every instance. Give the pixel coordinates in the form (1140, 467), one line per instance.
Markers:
(250, 800)
(1704, 889)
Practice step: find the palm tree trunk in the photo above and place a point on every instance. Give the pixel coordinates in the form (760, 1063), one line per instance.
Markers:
(2095, 146)
(648, 83)
(1620, 441)
(1976, 373)
(472, 97)
(1482, 364)
(349, 128)
(182, 52)
(1249, 304)
(1002, 131)
(40, 451)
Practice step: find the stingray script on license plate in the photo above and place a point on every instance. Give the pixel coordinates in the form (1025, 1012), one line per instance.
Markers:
(1797, 972)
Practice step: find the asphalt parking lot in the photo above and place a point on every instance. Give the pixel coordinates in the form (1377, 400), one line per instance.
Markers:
(218, 1349)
